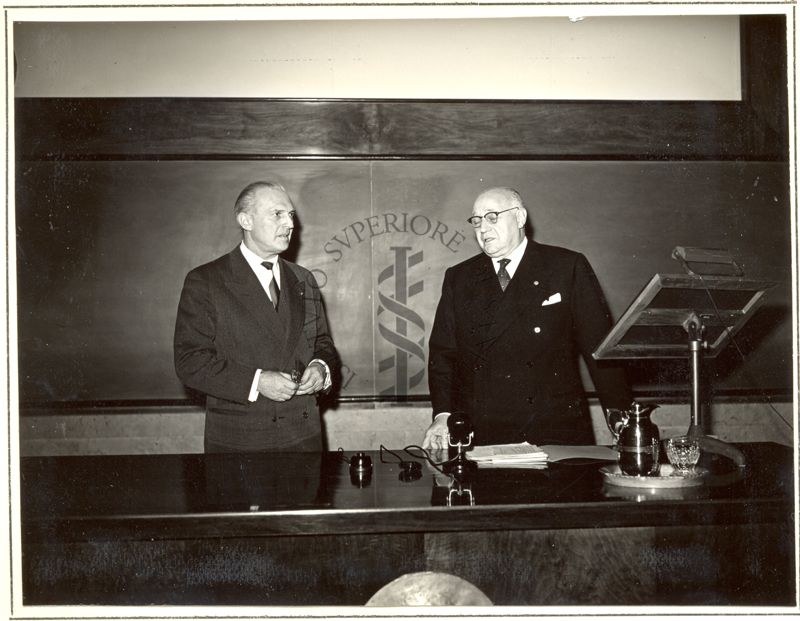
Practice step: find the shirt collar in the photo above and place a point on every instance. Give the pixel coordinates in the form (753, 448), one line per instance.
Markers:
(514, 257)
(254, 260)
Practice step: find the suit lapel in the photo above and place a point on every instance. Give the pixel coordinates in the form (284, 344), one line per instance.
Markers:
(293, 294)
(248, 290)
(527, 288)
(483, 303)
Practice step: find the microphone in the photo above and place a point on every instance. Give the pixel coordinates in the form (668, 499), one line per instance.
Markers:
(459, 429)
(460, 436)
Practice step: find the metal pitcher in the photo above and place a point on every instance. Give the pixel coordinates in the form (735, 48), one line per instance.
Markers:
(637, 439)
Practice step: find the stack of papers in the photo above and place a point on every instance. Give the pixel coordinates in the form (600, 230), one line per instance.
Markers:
(509, 455)
(558, 452)
(525, 455)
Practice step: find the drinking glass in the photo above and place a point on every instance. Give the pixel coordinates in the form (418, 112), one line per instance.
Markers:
(683, 453)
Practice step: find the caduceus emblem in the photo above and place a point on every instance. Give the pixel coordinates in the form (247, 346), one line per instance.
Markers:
(407, 334)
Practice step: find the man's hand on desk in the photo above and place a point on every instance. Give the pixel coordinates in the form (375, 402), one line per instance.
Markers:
(276, 385)
(313, 379)
(436, 434)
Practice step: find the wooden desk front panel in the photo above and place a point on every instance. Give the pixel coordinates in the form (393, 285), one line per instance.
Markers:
(680, 565)
(296, 530)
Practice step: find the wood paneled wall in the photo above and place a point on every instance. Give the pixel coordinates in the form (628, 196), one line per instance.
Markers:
(70, 133)
(192, 129)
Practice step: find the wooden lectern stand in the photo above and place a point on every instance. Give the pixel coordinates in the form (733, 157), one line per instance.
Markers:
(679, 315)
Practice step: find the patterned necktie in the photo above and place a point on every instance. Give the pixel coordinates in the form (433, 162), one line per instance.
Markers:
(502, 274)
(274, 293)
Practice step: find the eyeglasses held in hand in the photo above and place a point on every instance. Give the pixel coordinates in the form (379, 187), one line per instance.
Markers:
(297, 373)
(491, 217)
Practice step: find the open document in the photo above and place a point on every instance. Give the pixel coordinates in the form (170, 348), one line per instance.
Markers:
(529, 455)
(506, 455)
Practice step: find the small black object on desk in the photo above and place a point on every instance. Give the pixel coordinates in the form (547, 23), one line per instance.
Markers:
(361, 469)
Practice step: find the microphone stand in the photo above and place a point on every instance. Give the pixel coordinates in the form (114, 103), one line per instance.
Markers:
(459, 492)
(460, 436)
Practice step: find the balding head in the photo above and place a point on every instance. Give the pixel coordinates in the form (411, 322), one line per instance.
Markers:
(508, 196)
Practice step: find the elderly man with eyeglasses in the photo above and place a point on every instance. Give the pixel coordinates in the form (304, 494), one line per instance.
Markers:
(510, 326)
(251, 334)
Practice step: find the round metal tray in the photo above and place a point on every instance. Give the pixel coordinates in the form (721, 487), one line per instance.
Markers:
(667, 478)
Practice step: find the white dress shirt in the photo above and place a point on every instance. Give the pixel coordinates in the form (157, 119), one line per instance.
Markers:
(514, 257)
(265, 277)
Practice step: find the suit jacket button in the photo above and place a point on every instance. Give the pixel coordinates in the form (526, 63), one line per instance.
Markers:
(508, 375)
(305, 414)
(530, 364)
(274, 419)
(530, 400)
(537, 329)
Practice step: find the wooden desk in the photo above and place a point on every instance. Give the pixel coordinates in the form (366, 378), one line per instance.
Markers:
(299, 530)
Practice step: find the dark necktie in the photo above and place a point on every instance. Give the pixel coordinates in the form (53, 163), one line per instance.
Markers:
(274, 293)
(502, 274)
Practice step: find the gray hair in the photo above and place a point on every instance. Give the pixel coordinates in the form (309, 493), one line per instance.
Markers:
(247, 197)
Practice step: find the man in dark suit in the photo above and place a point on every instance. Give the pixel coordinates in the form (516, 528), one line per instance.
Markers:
(251, 334)
(508, 330)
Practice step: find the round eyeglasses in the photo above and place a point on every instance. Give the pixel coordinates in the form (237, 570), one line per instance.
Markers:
(491, 217)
